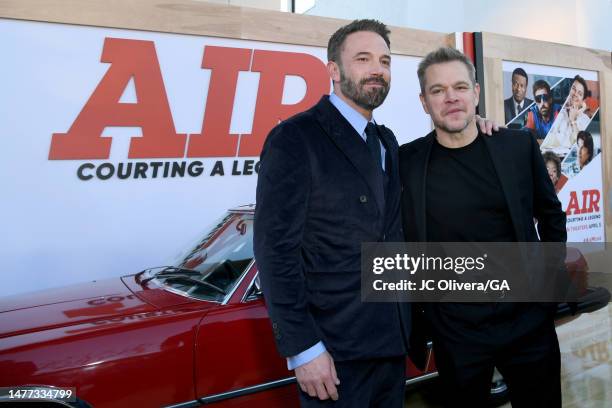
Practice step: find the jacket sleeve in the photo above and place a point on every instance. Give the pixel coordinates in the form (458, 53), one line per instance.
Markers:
(547, 207)
(283, 189)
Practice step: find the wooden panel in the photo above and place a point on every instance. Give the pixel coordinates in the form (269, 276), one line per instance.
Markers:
(209, 19)
(605, 114)
(494, 95)
(545, 53)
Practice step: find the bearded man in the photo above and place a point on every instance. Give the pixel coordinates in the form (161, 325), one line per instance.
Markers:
(329, 181)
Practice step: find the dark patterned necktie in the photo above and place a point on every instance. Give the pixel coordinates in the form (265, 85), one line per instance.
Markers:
(373, 143)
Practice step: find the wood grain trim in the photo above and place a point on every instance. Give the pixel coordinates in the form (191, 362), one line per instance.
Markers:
(545, 53)
(208, 19)
(605, 115)
(494, 82)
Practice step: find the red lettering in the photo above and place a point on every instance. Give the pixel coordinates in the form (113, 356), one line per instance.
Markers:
(594, 197)
(585, 194)
(129, 59)
(573, 205)
(590, 202)
(274, 66)
(215, 139)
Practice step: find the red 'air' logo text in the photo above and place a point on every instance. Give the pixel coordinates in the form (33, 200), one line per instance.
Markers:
(588, 204)
(137, 60)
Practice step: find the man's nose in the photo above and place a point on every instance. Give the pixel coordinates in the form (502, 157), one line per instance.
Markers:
(450, 95)
(376, 68)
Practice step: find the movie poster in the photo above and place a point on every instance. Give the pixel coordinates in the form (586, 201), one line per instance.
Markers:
(560, 108)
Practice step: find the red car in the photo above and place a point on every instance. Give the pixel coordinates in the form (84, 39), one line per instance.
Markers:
(194, 332)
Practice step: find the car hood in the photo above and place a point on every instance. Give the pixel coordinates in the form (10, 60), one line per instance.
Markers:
(68, 305)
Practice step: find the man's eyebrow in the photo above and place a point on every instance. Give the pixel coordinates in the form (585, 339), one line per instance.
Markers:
(369, 54)
(442, 86)
(432, 86)
(362, 53)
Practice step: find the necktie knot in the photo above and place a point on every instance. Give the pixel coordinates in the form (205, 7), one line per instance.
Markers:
(373, 143)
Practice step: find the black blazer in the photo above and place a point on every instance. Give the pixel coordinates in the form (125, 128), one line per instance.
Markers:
(524, 180)
(510, 110)
(526, 185)
(319, 196)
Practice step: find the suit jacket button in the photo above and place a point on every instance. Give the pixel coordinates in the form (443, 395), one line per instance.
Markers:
(363, 199)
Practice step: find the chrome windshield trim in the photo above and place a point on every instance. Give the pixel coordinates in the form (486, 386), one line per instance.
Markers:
(225, 300)
(246, 292)
(237, 285)
(182, 293)
(247, 390)
(423, 377)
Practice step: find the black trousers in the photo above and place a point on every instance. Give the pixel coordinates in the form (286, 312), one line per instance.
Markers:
(376, 383)
(524, 348)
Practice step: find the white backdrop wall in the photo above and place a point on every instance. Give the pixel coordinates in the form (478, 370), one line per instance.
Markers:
(57, 228)
(584, 23)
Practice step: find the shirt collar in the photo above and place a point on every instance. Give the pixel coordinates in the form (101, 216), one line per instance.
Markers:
(356, 119)
(518, 104)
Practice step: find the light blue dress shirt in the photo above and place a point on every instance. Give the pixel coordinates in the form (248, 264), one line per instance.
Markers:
(359, 123)
(356, 119)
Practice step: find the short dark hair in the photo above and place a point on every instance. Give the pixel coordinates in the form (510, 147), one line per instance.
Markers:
(541, 84)
(587, 141)
(442, 55)
(551, 157)
(520, 71)
(336, 41)
(582, 82)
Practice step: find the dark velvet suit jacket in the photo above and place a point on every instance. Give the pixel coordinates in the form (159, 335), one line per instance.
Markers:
(524, 180)
(510, 110)
(319, 196)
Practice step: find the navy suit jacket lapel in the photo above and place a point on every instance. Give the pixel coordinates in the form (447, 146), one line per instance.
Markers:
(349, 142)
(391, 155)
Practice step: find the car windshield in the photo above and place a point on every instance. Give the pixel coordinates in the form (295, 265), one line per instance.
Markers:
(212, 266)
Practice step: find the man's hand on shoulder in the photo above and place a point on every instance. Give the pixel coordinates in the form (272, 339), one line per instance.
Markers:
(486, 126)
(318, 377)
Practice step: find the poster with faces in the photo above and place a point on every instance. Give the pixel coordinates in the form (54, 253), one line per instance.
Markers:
(560, 108)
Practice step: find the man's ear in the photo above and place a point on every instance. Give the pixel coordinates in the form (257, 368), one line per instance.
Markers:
(334, 71)
(422, 98)
(477, 92)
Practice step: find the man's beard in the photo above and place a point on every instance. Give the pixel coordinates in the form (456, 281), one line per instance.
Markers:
(368, 100)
